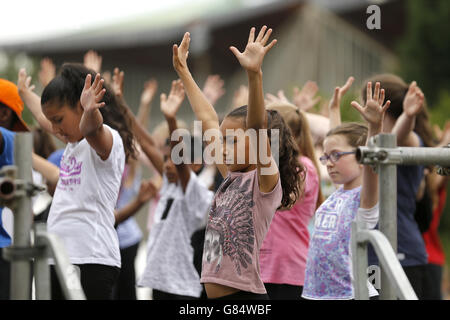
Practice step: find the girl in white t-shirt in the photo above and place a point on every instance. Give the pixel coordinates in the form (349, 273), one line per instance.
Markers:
(79, 111)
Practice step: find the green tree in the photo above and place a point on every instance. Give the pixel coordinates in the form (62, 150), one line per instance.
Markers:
(425, 47)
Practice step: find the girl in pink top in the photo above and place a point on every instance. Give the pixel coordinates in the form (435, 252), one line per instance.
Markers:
(285, 248)
(254, 187)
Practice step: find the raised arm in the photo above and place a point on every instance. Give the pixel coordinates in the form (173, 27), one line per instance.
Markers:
(145, 105)
(147, 191)
(305, 98)
(202, 108)
(404, 126)
(373, 112)
(91, 123)
(169, 107)
(48, 170)
(32, 100)
(251, 60)
(144, 139)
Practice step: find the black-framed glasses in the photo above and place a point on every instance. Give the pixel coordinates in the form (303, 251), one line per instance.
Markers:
(334, 156)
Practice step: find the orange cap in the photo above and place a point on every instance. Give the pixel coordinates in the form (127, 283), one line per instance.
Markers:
(9, 96)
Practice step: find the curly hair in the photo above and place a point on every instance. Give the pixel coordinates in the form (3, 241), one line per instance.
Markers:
(297, 122)
(66, 88)
(292, 172)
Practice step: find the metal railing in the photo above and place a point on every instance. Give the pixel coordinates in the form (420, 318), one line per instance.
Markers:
(382, 153)
(16, 190)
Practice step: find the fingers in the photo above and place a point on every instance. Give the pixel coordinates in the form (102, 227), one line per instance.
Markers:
(376, 94)
(251, 36)
(235, 51)
(270, 46)
(369, 91)
(382, 97)
(87, 82)
(185, 42)
(386, 106)
(357, 106)
(163, 97)
(347, 85)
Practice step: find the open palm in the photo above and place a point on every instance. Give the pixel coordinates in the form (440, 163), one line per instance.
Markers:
(92, 94)
(180, 53)
(171, 104)
(373, 111)
(413, 101)
(252, 57)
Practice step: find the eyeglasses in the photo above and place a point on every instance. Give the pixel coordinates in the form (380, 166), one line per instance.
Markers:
(334, 156)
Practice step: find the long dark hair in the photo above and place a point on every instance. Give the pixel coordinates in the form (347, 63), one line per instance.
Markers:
(66, 88)
(292, 172)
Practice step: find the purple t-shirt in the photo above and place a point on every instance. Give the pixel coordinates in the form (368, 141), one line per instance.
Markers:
(328, 267)
(238, 222)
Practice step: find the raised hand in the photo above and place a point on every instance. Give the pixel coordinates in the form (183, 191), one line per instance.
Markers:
(304, 98)
(149, 91)
(252, 57)
(47, 72)
(171, 104)
(413, 101)
(213, 88)
(180, 54)
(92, 94)
(93, 60)
(335, 102)
(373, 111)
(117, 82)
(23, 82)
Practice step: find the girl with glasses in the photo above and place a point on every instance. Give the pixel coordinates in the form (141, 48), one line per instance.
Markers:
(328, 273)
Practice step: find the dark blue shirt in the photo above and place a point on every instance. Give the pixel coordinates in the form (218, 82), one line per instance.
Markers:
(410, 245)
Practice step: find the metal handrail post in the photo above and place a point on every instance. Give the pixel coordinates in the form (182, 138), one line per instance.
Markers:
(359, 264)
(41, 266)
(21, 268)
(387, 187)
(388, 261)
(65, 271)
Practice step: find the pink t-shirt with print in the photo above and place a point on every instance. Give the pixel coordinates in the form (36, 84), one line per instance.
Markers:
(285, 247)
(238, 222)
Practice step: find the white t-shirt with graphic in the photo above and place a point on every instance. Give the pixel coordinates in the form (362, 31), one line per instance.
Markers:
(170, 266)
(82, 211)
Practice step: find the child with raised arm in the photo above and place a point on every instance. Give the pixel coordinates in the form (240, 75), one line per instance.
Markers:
(183, 203)
(77, 108)
(407, 118)
(246, 201)
(329, 266)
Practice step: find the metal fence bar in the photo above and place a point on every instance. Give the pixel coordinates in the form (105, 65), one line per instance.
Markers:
(66, 272)
(21, 268)
(387, 190)
(383, 153)
(41, 267)
(359, 263)
(388, 261)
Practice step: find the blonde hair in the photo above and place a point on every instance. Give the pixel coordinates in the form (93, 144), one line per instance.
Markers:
(301, 133)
